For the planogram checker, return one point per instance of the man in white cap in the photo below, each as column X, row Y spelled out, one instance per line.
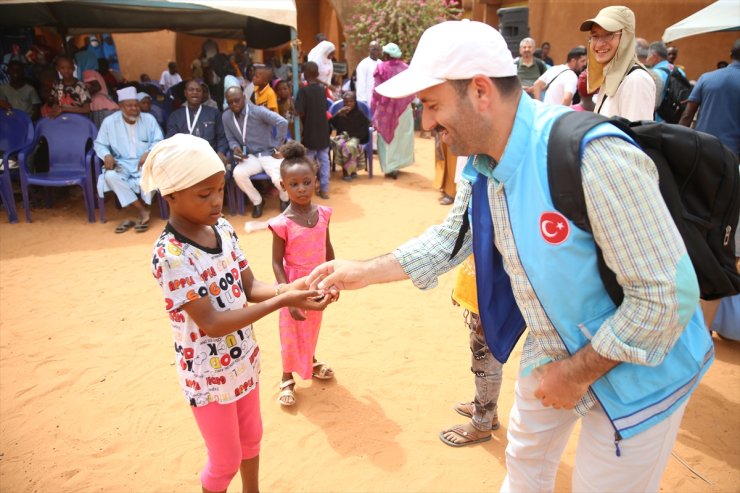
column 123, row 142
column 626, row 372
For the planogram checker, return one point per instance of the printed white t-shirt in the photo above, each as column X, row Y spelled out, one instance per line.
column 211, row 369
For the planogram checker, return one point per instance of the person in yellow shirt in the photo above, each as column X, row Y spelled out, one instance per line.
column 264, row 95
column 483, row 410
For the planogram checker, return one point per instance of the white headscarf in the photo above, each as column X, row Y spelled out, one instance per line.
column 320, row 55
column 178, row 163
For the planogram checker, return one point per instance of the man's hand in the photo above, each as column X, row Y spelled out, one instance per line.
column 238, row 153
column 5, row 105
column 563, row 383
column 143, row 158
column 355, row 274
column 109, row 162
column 338, row 275
column 557, row 388
column 55, row 111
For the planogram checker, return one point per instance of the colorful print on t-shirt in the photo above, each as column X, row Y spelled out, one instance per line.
column 211, row 369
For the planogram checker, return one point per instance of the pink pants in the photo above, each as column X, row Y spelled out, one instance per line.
column 232, row 433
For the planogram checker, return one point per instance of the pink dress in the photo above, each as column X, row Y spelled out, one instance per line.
column 305, row 248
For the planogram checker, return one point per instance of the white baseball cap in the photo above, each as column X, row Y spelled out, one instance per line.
column 452, row 50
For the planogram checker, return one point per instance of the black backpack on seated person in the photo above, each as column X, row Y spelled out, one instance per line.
column 699, row 182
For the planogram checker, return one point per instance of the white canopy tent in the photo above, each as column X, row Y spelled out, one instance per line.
column 722, row 15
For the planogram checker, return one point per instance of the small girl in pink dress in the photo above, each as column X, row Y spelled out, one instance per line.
column 300, row 243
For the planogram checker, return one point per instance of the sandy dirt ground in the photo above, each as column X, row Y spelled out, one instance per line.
column 89, row 399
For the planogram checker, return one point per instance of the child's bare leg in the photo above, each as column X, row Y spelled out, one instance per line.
column 249, row 470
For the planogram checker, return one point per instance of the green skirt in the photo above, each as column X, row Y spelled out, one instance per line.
column 399, row 152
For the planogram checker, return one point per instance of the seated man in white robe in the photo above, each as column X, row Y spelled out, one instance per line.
column 124, row 140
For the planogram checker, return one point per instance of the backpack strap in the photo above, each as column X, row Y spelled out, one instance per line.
column 632, row 69
column 566, row 183
column 541, row 67
column 553, row 79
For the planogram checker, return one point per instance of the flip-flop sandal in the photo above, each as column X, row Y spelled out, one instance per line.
column 461, row 408
column 458, row 430
column 124, row 226
column 323, row 370
column 141, row 227
column 289, row 394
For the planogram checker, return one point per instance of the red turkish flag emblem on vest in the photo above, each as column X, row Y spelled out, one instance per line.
column 554, row 227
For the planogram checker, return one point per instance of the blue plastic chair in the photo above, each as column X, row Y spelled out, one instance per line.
column 16, row 137
column 236, row 195
column 70, row 139
column 367, row 147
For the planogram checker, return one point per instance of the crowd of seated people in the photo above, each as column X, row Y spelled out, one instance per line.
column 210, row 102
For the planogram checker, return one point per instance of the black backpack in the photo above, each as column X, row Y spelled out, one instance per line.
column 676, row 92
column 699, row 182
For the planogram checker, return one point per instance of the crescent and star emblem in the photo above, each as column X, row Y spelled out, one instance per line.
column 554, row 227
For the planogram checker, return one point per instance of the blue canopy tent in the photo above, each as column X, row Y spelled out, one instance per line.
column 261, row 23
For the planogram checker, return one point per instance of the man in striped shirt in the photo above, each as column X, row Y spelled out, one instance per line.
column 625, row 372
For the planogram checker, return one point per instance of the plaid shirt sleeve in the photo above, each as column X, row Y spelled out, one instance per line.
column 427, row 257
column 641, row 244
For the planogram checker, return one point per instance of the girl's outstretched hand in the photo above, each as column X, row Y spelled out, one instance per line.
column 302, row 284
column 307, row 300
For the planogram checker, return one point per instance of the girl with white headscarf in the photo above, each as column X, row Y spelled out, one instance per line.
column 321, row 55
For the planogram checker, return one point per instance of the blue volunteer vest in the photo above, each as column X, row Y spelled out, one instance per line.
column 559, row 259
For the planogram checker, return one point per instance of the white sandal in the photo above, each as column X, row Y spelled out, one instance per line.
column 323, row 370
column 287, row 393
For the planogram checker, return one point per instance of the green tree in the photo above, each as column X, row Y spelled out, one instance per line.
column 397, row 21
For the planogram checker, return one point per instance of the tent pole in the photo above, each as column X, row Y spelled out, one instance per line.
column 294, row 67
column 65, row 43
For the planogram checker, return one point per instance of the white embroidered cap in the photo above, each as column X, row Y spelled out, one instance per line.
column 127, row 93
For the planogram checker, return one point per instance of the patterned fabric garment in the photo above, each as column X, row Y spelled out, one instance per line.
column 74, row 95
column 211, row 369
column 305, row 248
column 386, row 111
column 348, row 153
